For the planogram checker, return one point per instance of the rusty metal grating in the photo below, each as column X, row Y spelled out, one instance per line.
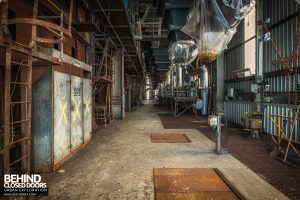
column 170, row 138
column 184, row 184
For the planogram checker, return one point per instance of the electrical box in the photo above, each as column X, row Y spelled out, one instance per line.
column 253, row 88
column 256, row 124
column 253, row 122
column 267, row 99
column 213, row 120
column 230, row 92
column 267, row 88
column 199, row 104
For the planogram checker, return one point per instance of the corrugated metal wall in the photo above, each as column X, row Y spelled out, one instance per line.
column 234, row 56
column 279, row 83
column 234, row 110
column 42, row 131
column 283, row 31
column 242, row 86
column 278, row 109
column 282, row 34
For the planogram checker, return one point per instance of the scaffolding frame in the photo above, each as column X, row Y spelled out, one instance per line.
column 16, row 137
column 102, row 81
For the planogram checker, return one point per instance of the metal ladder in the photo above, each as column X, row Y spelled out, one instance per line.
column 17, row 123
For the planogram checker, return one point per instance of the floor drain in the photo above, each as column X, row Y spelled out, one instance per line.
column 170, row 138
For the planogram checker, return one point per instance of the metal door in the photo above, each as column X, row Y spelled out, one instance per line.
column 87, row 109
column 61, row 114
column 76, row 112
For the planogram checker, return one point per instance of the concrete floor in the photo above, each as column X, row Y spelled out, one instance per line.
column 118, row 162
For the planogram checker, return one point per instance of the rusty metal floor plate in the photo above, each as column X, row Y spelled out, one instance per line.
column 169, row 138
column 186, row 184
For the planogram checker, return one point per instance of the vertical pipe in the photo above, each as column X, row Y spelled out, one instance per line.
column 192, row 89
column 204, row 89
column 172, row 83
column 191, row 79
column 179, row 76
column 168, row 78
column 278, row 128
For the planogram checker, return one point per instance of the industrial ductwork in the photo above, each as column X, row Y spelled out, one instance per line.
column 213, row 23
column 183, row 52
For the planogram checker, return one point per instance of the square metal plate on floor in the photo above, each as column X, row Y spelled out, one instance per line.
column 185, row 184
column 170, row 138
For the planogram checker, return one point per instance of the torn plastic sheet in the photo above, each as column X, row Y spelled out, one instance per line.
column 213, row 23
column 240, row 6
column 183, row 52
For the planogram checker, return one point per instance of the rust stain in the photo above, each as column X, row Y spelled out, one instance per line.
column 169, row 138
column 194, row 183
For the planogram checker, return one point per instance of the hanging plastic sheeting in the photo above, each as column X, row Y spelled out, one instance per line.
column 241, row 7
column 298, row 1
column 183, row 52
column 213, row 23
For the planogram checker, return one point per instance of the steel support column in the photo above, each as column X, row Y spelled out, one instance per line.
column 118, row 86
column 220, row 84
column 7, row 100
column 259, row 61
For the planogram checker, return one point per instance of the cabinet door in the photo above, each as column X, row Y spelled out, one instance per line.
column 76, row 112
column 62, row 116
column 87, row 109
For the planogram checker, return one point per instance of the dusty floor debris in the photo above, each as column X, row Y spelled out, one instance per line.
column 254, row 153
column 119, row 162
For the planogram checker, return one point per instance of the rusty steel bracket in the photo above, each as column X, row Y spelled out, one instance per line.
column 39, row 22
column 45, row 24
column 48, row 40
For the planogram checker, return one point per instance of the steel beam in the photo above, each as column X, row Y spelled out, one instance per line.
column 220, row 84
column 259, row 61
column 7, row 100
column 41, row 23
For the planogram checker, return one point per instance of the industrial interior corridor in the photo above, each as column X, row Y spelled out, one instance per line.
column 150, row 99
column 118, row 163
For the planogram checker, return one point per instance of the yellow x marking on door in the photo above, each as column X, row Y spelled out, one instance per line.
column 63, row 115
column 77, row 106
column 87, row 106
